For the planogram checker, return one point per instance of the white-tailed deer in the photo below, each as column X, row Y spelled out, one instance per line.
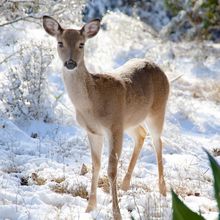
column 111, row 104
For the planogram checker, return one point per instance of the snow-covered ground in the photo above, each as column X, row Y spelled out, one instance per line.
column 40, row 163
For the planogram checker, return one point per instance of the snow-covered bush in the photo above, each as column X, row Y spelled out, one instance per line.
column 13, row 11
column 24, row 92
column 182, row 19
column 151, row 12
column 202, row 18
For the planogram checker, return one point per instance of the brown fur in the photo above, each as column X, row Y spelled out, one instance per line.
column 111, row 104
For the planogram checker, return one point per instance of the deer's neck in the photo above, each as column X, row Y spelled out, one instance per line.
column 77, row 82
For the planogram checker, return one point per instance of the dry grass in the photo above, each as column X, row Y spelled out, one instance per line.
column 79, row 190
column 185, row 191
column 60, row 187
column 104, row 184
column 11, row 169
column 142, row 186
column 216, row 152
column 59, row 180
column 206, row 90
column 38, row 180
column 84, row 170
column 41, row 181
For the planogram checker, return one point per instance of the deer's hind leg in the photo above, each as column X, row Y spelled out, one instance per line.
column 155, row 126
column 139, row 133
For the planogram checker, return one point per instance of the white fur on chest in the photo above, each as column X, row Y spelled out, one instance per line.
column 76, row 88
column 77, row 92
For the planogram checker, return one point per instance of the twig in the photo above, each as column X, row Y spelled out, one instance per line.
column 16, row 1
column 19, row 19
column 11, row 55
column 176, row 78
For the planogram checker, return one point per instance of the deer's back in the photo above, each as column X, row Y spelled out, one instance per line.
column 130, row 92
column 147, row 89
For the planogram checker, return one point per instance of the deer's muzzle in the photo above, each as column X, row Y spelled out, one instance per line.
column 70, row 64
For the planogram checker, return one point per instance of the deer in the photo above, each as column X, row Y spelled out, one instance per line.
column 111, row 104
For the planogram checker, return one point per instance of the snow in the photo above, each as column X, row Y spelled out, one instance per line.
column 40, row 177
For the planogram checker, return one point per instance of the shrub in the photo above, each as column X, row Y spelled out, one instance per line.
column 202, row 16
column 24, row 93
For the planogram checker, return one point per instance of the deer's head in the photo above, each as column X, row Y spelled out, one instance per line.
column 70, row 42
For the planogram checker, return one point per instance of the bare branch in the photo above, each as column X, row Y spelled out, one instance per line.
column 20, row 1
column 11, row 55
column 20, row 19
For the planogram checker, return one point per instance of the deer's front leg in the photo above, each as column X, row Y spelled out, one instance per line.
column 115, row 140
column 96, row 142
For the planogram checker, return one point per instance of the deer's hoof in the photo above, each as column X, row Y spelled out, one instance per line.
column 90, row 208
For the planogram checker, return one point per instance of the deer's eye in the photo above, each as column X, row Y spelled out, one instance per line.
column 60, row 44
column 81, row 45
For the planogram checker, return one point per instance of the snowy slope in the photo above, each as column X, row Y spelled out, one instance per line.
column 40, row 163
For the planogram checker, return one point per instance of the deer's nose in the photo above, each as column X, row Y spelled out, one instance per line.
column 70, row 64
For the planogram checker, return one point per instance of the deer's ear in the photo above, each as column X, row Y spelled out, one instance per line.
column 91, row 29
column 51, row 26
